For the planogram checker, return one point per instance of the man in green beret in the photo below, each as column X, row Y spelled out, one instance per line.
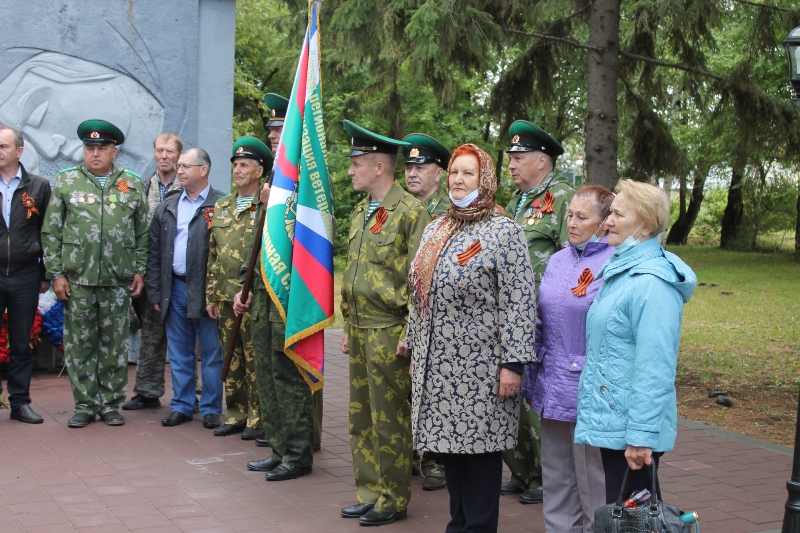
column 426, row 162
column 95, row 242
column 385, row 231
column 232, row 230
column 539, row 205
column 277, row 115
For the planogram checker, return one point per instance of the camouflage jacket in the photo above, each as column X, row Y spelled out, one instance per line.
column 548, row 234
column 374, row 288
column 152, row 191
column 96, row 236
column 229, row 247
column 438, row 203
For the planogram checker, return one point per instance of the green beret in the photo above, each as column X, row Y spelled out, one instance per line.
column 95, row 131
column 277, row 105
column 425, row 149
column 529, row 137
column 363, row 141
column 252, row 148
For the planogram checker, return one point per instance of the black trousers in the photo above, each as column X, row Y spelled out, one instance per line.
column 473, row 481
column 19, row 297
column 615, row 465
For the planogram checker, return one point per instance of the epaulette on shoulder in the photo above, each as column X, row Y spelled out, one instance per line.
column 67, row 170
column 132, row 173
column 223, row 197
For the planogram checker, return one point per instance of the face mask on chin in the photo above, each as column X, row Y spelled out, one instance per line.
column 468, row 199
column 629, row 242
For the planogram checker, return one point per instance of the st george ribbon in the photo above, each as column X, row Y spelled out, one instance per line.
column 297, row 244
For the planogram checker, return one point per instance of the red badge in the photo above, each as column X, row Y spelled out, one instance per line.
column 29, row 203
column 548, row 202
column 380, row 218
column 208, row 214
column 122, row 186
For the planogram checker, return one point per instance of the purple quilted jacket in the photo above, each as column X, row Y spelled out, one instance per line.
column 552, row 383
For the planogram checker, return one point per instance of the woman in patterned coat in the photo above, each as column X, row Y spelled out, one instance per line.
column 471, row 331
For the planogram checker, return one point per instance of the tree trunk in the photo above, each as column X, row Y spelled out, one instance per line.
column 762, row 177
column 679, row 233
column 601, row 144
column 732, row 218
column 498, row 169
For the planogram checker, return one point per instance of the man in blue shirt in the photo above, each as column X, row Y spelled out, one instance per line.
column 176, row 275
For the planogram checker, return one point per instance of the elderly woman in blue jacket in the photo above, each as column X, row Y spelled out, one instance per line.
column 626, row 397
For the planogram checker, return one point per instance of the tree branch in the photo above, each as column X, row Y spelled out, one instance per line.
column 667, row 64
column 551, row 38
column 766, row 6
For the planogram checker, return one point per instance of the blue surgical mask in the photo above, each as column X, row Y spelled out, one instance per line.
column 468, row 199
column 581, row 247
column 629, row 243
column 594, row 238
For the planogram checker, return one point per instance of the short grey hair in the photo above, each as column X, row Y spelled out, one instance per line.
column 201, row 157
column 19, row 141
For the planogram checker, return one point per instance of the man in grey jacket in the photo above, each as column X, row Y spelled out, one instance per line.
column 176, row 276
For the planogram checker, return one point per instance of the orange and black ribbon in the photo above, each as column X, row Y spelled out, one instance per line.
column 469, row 253
column 548, row 202
column 122, row 186
column 29, row 203
column 380, row 218
column 208, row 214
column 584, row 280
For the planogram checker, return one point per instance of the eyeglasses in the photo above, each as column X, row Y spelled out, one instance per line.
column 181, row 166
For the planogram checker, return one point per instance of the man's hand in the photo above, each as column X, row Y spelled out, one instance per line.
column 402, row 349
column 239, row 307
column 212, row 311
column 344, row 344
column 61, row 288
column 264, row 196
column 638, row 456
column 43, row 286
column 137, row 285
column 509, row 384
column 157, row 307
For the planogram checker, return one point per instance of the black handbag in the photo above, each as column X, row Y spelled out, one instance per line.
column 655, row 517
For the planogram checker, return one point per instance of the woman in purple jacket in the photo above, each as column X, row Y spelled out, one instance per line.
column 572, row 474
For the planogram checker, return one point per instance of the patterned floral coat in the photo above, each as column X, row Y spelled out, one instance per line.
column 481, row 315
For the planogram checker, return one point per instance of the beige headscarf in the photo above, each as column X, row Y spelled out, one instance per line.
column 420, row 275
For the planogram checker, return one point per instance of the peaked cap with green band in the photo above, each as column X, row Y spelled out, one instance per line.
column 96, row 131
column 529, row 137
column 277, row 105
column 252, row 148
column 363, row 141
column 425, row 149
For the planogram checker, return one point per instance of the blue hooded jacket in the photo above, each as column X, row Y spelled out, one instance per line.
column 626, row 394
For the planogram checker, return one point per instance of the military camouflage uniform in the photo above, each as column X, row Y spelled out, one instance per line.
column 375, row 309
column 96, row 237
column 545, row 236
column 438, row 203
column 153, row 337
column 231, row 235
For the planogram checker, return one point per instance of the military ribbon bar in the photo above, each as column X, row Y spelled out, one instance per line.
column 584, row 280
column 549, row 199
column 208, row 214
column 29, row 203
column 122, row 186
column 380, row 218
column 469, row 253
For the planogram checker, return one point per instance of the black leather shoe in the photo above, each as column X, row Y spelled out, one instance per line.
column 211, row 421
column 141, row 402
column 356, row 511
column 286, row 471
column 112, row 418
column 175, row 418
column 262, row 443
column 380, row 518
column 531, row 496
column 252, row 433
column 26, row 414
column 80, row 420
column 509, row 488
column 226, row 429
column 264, row 465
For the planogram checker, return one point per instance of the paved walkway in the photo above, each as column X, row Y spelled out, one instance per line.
column 147, row 478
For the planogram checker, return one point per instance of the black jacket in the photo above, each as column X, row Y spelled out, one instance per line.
column 163, row 228
column 21, row 248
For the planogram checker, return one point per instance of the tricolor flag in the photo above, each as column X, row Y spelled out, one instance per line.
column 297, row 245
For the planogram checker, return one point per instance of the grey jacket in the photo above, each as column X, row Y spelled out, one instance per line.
column 163, row 228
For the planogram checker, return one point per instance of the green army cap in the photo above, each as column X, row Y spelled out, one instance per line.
column 252, row 148
column 277, row 105
column 96, row 131
column 425, row 149
column 363, row 141
column 529, row 137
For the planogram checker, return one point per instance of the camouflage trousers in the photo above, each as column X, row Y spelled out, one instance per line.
column 318, row 418
column 95, row 328
column 287, row 405
column 241, row 393
column 525, row 461
column 152, row 354
column 380, row 418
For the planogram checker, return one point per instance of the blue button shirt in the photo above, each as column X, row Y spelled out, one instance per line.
column 186, row 210
column 7, row 190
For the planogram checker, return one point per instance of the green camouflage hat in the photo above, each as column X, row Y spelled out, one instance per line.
column 277, row 105
column 529, row 137
column 425, row 149
column 363, row 141
column 96, row 131
column 252, row 148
